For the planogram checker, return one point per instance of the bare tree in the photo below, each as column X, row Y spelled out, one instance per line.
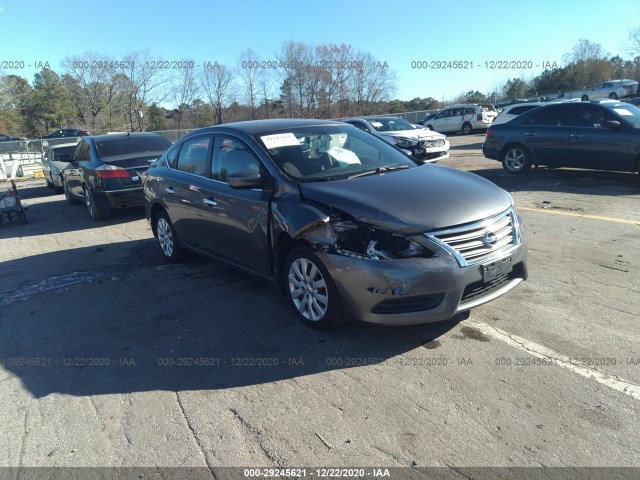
column 588, row 63
column 142, row 81
column 248, row 70
column 89, row 79
column 185, row 89
column 218, row 85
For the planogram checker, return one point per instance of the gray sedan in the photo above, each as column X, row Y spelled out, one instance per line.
column 344, row 224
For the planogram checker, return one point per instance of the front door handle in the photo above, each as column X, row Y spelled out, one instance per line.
column 210, row 202
column 169, row 190
column 575, row 135
column 529, row 134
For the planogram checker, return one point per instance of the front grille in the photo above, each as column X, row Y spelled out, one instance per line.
column 432, row 143
column 481, row 241
column 481, row 288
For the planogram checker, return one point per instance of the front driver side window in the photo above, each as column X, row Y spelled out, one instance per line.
column 231, row 156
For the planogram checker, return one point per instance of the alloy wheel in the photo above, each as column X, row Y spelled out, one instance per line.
column 515, row 159
column 308, row 289
column 165, row 237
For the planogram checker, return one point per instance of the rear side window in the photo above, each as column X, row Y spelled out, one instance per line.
column 547, row 117
column 469, row 111
column 85, row 152
column 521, row 110
column 193, row 156
column 62, row 154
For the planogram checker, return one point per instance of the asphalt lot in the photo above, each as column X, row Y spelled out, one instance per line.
column 112, row 358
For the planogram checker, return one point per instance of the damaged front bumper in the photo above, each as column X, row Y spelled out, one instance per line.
column 416, row 290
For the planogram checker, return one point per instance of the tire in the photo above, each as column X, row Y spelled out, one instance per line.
column 96, row 213
column 613, row 96
column 585, row 98
column 429, row 127
column 167, row 238
column 467, row 129
column 49, row 184
column 516, row 160
column 22, row 216
column 311, row 291
column 67, row 195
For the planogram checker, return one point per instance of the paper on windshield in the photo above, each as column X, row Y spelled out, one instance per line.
column 279, row 140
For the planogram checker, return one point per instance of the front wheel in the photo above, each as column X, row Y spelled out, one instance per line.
column 516, row 160
column 167, row 238
column 585, row 98
column 311, row 291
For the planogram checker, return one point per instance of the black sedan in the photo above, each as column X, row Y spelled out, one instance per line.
column 346, row 225
column 106, row 170
column 600, row 135
column 66, row 133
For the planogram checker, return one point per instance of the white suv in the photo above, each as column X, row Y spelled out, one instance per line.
column 464, row 118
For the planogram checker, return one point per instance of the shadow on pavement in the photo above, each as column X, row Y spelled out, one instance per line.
column 136, row 325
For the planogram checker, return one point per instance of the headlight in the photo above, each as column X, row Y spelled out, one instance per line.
column 403, row 142
column 368, row 243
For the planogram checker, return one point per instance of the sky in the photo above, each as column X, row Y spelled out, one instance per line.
column 403, row 34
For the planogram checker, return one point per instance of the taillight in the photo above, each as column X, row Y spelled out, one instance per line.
column 489, row 133
column 110, row 171
column 479, row 117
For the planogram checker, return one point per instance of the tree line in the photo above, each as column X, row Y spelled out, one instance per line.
column 99, row 93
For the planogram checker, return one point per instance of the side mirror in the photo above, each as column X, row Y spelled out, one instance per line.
column 245, row 179
column 612, row 124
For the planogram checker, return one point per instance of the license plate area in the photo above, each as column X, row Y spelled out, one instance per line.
column 500, row 267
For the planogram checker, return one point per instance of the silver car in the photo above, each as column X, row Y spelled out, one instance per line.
column 56, row 158
column 613, row 89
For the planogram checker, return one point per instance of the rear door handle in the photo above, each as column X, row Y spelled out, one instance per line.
column 529, row 134
column 575, row 135
column 210, row 202
column 169, row 190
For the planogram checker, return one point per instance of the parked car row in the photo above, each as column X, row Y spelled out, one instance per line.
column 601, row 134
column 343, row 220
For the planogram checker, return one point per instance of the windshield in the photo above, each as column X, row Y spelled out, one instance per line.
column 112, row 146
column 321, row 153
column 389, row 124
column 62, row 154
column 629, row 113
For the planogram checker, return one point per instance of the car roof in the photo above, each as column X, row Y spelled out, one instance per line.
column 60, row 145
column 115, row 136
column 254, row 127
column 373, row 119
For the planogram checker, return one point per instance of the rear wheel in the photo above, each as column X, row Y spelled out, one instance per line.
column 95, row 212
column 167, row 238
column 585, row 98
column 613, row 96
column 467, row 129
column 516, row 160
column 67, row 194
column 311, row 291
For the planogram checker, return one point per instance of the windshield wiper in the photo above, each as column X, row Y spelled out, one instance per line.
column 388, row 168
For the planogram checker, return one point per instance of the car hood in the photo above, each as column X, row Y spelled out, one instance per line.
column 415, row 200
column 421, row 134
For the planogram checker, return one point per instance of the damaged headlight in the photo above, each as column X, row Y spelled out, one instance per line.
column 353, row 239
column 368, row 243
column 403, row 142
